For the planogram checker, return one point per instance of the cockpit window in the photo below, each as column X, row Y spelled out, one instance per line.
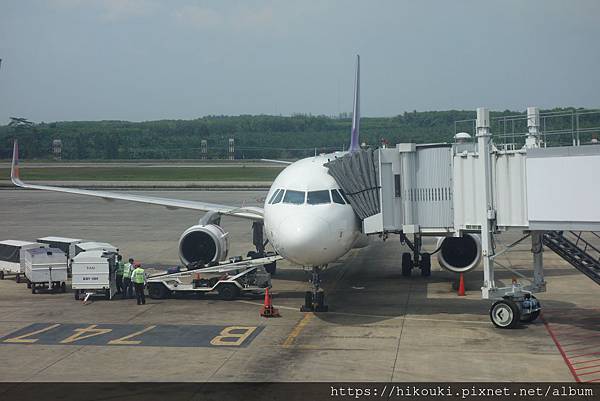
column 277, row 197
column 337, row 198
column 295, row 197
column 344, row 196
column 318, row 197
column 274, row 195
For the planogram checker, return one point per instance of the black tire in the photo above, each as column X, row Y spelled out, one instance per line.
column 505, row 314
column 425, row 265
column 107, row 294
column 407, row 264
column 308, row 299
column 28, row 285
column 157, row 291
column 2, row 275
column 271, row 268
column 228, row 292
column 530, row 317
column 17, row 278
column 32, row 289
column 76, row 295
column 63, row 287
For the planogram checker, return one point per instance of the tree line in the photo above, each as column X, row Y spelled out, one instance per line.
column 256, row 136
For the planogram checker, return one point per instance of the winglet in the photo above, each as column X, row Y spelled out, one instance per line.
column 354, row 145
column 14, row 168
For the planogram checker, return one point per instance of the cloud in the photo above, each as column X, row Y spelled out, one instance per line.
column 236, row 19
column 199, row 17
column 112, row 10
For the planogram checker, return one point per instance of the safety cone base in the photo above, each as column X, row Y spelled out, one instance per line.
column 461, row 286
column 269, row 312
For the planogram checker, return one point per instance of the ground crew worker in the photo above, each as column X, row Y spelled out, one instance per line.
column 139, row 279
column 119, row 272
column 127, row 269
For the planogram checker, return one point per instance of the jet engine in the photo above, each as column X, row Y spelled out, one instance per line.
column 459, row 254
column 203, row 243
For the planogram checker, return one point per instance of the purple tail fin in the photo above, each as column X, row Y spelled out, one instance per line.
column 354, row 145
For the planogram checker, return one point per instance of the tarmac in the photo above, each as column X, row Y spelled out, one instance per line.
column 381, row 326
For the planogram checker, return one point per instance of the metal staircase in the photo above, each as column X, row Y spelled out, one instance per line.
column 577, row 250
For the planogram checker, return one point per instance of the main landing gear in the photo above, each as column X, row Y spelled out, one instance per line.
column 314, row 300
column 508, row 312
column 417, row 259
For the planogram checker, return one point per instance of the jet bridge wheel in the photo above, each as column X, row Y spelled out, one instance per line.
column 530, row 317
column 505, row 314
column 407, row 264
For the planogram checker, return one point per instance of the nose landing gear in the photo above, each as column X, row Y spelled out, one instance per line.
column 314, row 300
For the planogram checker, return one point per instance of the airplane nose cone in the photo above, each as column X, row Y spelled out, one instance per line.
column 304, row 239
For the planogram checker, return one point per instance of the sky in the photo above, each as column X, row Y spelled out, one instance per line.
column 143, row 60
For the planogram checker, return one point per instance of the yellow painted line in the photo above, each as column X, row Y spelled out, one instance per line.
column 22, row 338
column 298, row 329
column 127, row 339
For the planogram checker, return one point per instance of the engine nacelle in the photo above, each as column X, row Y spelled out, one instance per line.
column 203, row 244
column 459, row 254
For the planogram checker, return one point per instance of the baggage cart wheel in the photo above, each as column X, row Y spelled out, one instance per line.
column 157, row 291
column 63, row 287
column 425, row 265
column 2, row 275
column 76, row 295
column 18, row 278
column 107, row 294
column 228, row 292
column 407, row 264
column 271, row 268
column 28, row 285
column 505, row 314
column 33, row 288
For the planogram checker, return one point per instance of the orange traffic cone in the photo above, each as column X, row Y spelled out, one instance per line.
column 461, row 286
column 267, row 309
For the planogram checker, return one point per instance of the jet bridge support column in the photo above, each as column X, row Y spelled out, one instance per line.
column 537, row 248
column 487, row 212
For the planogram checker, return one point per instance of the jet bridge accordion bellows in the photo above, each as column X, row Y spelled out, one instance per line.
column 357, row 173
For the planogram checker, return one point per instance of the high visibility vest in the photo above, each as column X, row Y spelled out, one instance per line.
column 138, row 276
column 127, row 270
column 120, row 268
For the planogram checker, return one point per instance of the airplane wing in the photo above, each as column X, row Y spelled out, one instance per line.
column 276, row 161
column 248, row 212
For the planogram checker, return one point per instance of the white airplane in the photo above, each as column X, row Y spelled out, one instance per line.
column 306, row 216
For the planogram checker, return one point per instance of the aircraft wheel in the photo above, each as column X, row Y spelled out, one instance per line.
column 425, row 265
column 407, row 264
column 505, row 314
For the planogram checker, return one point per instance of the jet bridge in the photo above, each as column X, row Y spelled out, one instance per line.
column 485, row 188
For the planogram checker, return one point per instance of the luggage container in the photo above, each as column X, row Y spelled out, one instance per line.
column 77, row 248
column 10, row 257
column 94, row 272
column 62, row 243
column 45, row 268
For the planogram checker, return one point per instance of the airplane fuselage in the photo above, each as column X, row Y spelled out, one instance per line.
column 307, row 218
